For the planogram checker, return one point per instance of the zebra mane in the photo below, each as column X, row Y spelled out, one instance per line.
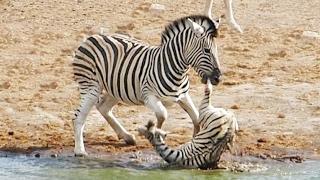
column 181, row 24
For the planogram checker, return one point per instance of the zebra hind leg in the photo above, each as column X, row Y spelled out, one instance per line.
column 105, row 107
column 88, row 100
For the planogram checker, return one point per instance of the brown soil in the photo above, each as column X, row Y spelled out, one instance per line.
column 271, row 74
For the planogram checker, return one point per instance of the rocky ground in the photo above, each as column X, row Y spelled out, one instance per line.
column 271, row 74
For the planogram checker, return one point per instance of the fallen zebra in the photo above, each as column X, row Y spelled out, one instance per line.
column 217, row 132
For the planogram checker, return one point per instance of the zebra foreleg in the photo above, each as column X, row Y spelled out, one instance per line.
column 187, row 104
column 105, row 107
column 156, row 106
column 87, row 101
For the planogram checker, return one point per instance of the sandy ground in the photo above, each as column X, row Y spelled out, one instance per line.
column 271, row 74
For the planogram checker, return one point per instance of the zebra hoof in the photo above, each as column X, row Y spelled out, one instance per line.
column 236, row 27
column 81, row 154
column 130, row 139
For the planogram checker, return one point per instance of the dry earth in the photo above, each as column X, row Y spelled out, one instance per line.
column 271, row 73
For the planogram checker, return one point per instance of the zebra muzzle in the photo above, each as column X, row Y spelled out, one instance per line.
column 213, row 79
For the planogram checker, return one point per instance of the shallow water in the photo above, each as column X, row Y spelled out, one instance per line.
column 132, row 166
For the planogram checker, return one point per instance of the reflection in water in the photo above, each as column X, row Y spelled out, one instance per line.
column 138, row 166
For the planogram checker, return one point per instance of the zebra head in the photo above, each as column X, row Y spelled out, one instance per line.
column 154, row 135
column 202, row 53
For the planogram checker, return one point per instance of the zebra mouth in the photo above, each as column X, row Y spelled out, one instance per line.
column 213, row 80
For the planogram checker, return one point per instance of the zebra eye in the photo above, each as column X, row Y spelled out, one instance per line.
column 206, row 50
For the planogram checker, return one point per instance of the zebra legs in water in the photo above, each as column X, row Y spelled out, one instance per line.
column 105, row 107
column 87, row 102
column 187, row 104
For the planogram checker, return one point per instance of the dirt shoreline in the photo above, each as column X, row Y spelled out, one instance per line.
column 271, row 75
column 250, row 141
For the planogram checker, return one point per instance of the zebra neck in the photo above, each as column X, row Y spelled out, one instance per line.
column 168, row 154
column 172, row 55
column 168, row 68
column 205, row 102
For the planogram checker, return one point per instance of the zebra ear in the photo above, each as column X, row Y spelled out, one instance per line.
column 197, row 29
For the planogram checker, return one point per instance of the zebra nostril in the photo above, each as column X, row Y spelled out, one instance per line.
column 218, row 79
column 215, row 80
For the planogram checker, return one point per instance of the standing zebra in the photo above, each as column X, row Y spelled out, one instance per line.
column 112, row 69
column 217, row 130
